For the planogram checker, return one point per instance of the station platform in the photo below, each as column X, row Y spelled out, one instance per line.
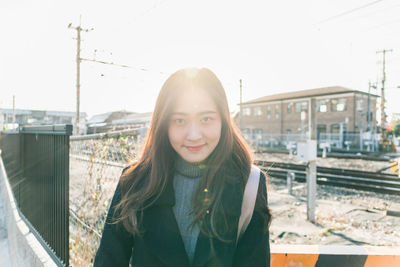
column 334, row 256
column 352, row 228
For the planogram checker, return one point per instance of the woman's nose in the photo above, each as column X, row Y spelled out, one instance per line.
column 194, row 132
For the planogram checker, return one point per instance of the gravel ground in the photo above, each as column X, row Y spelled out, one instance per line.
column 343, row 216
column 356, row 164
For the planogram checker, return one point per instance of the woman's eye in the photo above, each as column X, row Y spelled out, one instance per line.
column 179, row 121
column 206, row 119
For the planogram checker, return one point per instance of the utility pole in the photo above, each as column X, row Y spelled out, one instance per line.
column 383, row 137
column 240, row 111
column 368, row 107
column 311, row 170
column 13, row 110
column 78, row 70
column 369, row 117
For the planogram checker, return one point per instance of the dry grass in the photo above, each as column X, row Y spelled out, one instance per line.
column 95, row 167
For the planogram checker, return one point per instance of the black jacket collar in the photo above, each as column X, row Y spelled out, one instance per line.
column 162, row 236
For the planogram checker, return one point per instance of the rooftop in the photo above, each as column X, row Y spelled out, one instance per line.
column 47, row 112
column 306, row 93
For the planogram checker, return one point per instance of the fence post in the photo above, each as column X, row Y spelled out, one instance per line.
column 307, row 152
column 289, row 180
column 311, row 189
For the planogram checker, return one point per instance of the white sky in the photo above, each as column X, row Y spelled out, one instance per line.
column 273, row 46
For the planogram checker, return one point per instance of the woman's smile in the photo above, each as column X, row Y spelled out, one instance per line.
column 195, row 148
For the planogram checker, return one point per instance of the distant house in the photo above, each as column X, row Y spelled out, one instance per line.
column 337, row 110
column 134, row 120
column 102, row 123
column 37, row 117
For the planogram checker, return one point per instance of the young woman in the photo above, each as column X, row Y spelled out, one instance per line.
column 180, row 203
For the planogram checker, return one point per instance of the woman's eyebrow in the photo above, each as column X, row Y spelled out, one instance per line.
column 199, row 113
column 179, row 114
column 207, row 112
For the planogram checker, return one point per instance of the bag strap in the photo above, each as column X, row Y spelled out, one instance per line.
column 249, row 200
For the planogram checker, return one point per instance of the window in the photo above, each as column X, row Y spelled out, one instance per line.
column 322, row 105
column 257, row 111
column 246, row 131
column 257, row 131
column 276, row 112
column 335, row 128
column 321, row 130
column 268, row 112
column 338, row 104
column 246, row 111
column 289, row 107
column 360, row 103
column 301, row 106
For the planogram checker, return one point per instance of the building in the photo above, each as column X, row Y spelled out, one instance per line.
column 131, row 121
column 338, row 110
column 102, row 123
column 12, row 118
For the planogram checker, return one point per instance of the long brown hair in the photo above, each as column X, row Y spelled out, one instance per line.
column 144, row 181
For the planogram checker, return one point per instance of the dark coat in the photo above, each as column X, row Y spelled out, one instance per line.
column 161, row 244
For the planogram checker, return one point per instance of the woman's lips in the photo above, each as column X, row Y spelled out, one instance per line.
column 194, row 148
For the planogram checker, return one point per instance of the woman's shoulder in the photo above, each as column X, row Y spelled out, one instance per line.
column 263, row 173
column 126, row 168
column 129, row 167
column 129, row 171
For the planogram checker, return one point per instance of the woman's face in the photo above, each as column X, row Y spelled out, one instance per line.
column 195, row 126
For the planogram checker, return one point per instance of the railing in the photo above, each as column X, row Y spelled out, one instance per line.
column 351, row 141
column 354, row 142
column 37, row 163
column 272, row 141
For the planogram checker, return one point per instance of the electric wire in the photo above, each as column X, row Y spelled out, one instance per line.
column 349, row 11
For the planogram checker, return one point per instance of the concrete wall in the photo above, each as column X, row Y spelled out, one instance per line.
column 24, row 248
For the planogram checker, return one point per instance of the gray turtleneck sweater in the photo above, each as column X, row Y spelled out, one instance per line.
column 186, row 180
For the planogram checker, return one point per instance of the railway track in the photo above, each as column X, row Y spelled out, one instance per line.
column 361, row 180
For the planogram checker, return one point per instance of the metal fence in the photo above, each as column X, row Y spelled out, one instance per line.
column 355, row 142
column 96, row 162
column 261, row 142
column 363, row 142
column 37, row 164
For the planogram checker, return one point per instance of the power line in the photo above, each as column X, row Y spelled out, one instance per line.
column 149, row 10
column 122, row 65
column 106, row 63
column 349, row 11
column 370, row 14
